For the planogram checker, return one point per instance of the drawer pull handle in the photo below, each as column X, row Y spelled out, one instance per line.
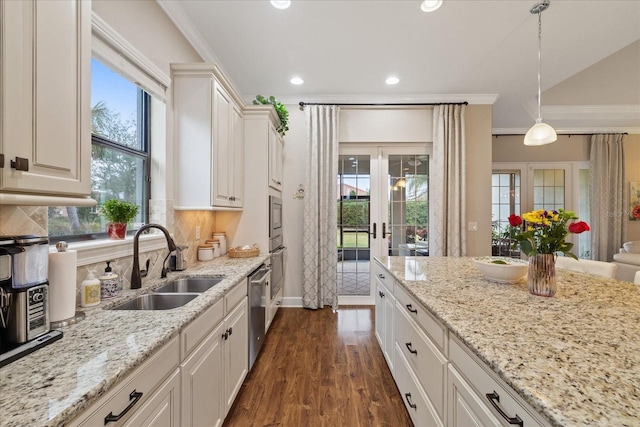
column 133, row 399
column 411, row 309
column 409, row 402
column 410, row 348
column 380, row 275
column 494, row 398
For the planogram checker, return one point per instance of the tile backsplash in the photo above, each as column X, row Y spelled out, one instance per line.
column 18, row 220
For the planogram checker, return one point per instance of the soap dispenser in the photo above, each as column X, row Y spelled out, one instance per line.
column 90, row 290
column 108, row 283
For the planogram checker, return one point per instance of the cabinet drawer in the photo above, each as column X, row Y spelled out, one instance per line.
column 434, row 329
column 485, row 384
column 381, row 274
column 235, row 295
column 413, row 396
column 199, row 328
column 426, row 361
column 144, row 380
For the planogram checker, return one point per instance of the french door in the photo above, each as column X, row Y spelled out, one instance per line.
column 383, row 197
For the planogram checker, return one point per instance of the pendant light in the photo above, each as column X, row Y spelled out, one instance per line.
column 540, row 133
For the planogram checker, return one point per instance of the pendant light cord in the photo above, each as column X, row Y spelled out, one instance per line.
column 539, row 66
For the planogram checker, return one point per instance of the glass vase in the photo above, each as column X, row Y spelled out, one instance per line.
column 541, row 277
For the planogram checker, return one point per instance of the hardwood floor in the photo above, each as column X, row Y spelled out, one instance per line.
column 319, row 368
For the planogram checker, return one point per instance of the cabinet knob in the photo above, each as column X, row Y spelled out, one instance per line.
column 20, row 164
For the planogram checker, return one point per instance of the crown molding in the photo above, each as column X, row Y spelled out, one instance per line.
column 177, row 15
column 591, row 112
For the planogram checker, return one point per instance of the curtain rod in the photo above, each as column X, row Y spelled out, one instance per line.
column 302, row 104
column 496, row 135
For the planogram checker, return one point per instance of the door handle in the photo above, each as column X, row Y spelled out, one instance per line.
column 374, row 233
column 384, row 231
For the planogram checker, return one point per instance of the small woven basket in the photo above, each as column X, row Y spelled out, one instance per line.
column 238, row 252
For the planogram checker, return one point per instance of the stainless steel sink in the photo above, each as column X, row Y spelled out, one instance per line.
column 190, row 284
column 157, row 301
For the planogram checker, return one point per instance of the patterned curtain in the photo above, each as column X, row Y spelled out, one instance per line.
column 447, row 200
column 320, row 250
column 608, row 207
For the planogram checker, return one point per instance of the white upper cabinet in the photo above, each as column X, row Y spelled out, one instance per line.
column 209, row 139
column 45, row 128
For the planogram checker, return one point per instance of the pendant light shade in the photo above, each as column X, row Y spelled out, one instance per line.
column 540, row 133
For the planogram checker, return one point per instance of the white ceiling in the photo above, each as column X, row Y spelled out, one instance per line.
column 469, row 50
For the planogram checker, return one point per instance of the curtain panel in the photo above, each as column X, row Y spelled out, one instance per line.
column 608, row 207
column 320, row 250
column 447, row 203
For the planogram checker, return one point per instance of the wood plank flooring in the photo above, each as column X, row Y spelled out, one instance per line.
column 320, row 368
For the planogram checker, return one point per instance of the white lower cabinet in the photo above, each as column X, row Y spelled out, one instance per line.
column 162, row 409
column 202, row 376
column 441, row 381
column 144, row 395
column 213, row 372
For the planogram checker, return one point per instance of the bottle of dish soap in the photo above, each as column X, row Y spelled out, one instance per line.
column 90, row 290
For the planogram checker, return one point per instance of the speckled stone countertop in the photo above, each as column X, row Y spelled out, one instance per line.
column 574, row 357
column 53, row 385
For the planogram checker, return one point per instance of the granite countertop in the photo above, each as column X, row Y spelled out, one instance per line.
column 574, row 357
column 55, row 384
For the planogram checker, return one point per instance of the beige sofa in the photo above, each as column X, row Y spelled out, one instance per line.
column 628, row 261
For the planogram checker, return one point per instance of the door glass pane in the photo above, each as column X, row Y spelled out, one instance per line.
column 354, row 185
column 549, row 193
column 408, row 215
column 584, row 239
column 505, row 200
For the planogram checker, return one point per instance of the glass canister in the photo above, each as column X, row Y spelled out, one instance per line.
column 222, row 238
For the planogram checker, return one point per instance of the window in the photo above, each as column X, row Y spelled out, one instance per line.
column 120, row 150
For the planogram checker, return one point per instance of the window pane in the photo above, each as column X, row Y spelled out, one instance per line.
column 114, row 110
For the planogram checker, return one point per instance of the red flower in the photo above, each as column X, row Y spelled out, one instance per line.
column 636, row 212
column 515, row 220
column 578, row 227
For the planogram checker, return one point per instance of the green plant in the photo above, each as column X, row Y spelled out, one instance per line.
column 282, row 111
column 118, row 211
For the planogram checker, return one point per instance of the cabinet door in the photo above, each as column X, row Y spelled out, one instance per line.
column 389, row 335
column 380, row 295
column 202, row 378
column 464, row 406
column 236, row 352
column 46, row 120
column 237, row 140
column 162, row 409
column 222, row 107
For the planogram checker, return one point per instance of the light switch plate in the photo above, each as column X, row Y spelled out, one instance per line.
column 197, row 232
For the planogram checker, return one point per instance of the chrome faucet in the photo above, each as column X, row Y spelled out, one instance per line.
column 136, row 277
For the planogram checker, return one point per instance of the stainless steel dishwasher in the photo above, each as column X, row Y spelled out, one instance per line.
column 258, row 283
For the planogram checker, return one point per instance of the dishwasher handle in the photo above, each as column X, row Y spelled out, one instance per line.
column 259, row 280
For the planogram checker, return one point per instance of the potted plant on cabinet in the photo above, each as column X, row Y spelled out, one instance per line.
column 281, row 110
column 118, row 214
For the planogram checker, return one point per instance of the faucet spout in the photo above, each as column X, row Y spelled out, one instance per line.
column 136, row 279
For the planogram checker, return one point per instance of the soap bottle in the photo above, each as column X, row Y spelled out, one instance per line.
column 90, row 290
column 108, row 283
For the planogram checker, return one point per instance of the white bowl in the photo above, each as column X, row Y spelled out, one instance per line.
column 511, row 272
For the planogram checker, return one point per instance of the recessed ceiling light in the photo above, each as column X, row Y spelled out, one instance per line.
column 296, row 81
column 281, row 4
column 392, row 80
column 430, row 5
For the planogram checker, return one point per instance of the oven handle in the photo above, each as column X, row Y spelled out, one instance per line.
column 256, row 281
column 278, row 251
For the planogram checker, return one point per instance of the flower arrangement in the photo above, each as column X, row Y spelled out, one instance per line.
column 544, row 232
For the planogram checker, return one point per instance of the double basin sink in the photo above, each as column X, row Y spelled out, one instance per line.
column 171, row 295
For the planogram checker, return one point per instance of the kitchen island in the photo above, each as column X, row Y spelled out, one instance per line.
column 55, row 384
column 574, row 358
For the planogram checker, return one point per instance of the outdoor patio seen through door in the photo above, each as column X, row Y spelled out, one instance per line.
column 383, row 198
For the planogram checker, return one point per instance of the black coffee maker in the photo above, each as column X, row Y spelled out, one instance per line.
column 24, row 302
